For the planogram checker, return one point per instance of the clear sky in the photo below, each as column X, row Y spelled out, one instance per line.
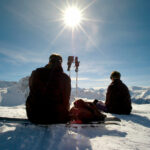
column 114, row 36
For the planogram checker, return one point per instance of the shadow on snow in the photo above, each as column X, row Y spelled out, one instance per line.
column 58, row 137
column 142, row 120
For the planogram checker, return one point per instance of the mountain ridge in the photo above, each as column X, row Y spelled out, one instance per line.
column 15, row 93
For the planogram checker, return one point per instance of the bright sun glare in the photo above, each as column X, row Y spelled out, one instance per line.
column 72, row 17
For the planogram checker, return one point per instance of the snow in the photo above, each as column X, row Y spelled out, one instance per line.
column 132, row 133
column 16, row 94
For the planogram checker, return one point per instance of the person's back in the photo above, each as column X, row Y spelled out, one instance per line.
column 118, row 97
column 48, row 100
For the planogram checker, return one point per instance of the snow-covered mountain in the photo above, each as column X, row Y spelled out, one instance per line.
column 12, row 93
column 89, row 93
column 4, row 84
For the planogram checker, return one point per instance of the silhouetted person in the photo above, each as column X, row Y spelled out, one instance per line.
column 50, row 87
column 118, row 99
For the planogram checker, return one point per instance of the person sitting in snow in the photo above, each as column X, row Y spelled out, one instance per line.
column 50, row 87
column 118, row 99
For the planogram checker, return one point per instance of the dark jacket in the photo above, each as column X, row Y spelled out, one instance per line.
column 48, row 100
column 118, row 98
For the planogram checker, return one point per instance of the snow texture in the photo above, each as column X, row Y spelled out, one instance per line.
column 132, row 134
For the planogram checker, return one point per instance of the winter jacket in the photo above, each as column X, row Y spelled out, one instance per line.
column 118, row 98
column 48, row 100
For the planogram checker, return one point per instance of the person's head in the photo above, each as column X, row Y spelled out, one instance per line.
column 115, row 75
column 55, row 58
column 55, row 62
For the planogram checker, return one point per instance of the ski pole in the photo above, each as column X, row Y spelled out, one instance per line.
column 76, row 70
column 76, row 84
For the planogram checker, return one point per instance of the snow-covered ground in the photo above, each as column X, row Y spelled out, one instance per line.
column 132, row 134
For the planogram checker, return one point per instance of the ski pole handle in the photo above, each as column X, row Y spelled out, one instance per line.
column 70, row 61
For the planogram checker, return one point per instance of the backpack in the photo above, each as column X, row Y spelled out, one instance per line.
column 85, row 112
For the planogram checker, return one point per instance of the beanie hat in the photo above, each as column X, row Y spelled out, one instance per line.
column 55, row 58
column 115, row 75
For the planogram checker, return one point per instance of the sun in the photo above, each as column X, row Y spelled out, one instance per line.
column 72, row 17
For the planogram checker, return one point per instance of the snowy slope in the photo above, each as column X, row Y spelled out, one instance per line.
column 132, row 134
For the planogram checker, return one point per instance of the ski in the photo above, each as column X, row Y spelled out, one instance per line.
column 108, row 120
column 15, row 120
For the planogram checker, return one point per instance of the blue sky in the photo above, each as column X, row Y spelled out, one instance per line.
column 116, row 36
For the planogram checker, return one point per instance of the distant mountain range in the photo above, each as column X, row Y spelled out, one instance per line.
column 4, row 84
column 15, row 93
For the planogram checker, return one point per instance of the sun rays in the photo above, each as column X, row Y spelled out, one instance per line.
column 72, row 16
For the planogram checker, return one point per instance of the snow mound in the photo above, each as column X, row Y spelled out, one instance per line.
column 16, row 94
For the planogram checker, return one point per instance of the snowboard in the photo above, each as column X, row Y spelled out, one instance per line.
column 108, row 120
